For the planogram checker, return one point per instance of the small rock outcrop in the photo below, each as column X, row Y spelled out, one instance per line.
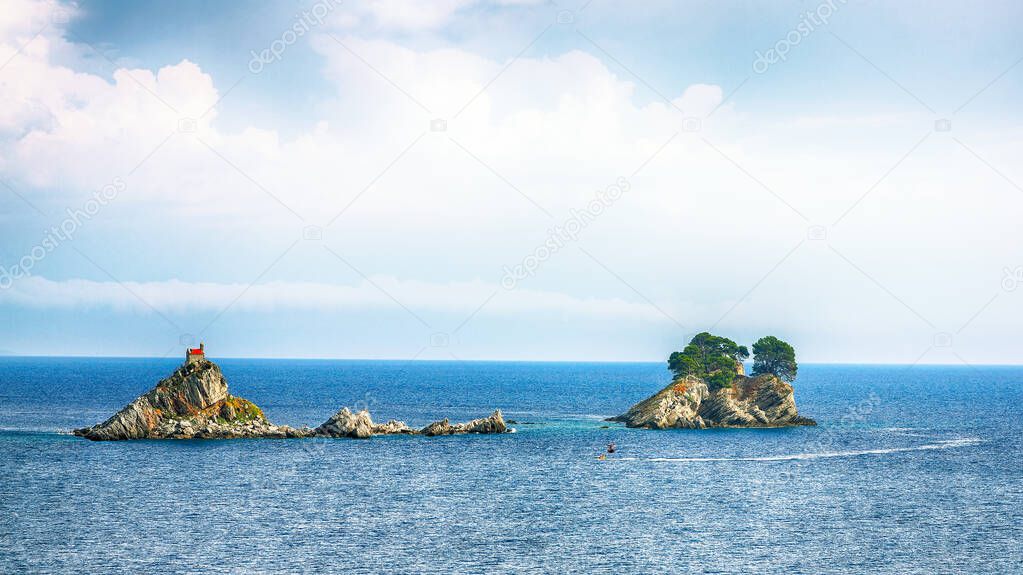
column 194, row 403
column 442, row 427
column 688, row 403
column 493, row 424
column 392, row 427
column 344, row 423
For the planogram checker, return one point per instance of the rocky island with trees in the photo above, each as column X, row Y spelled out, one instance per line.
column 710, row 388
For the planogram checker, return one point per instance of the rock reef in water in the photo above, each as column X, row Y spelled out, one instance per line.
column 194, row 403
column 359, row 425
column 688, row 403
column 493, row 424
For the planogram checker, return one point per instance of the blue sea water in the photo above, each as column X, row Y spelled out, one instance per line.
column 911, row 470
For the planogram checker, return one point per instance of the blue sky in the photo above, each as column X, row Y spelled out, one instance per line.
column 860, row 198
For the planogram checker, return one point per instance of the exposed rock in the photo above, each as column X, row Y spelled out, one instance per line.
column 344, row 423
column 493, row 424
column 687, row 403
column 393, row 427
column 442, row 427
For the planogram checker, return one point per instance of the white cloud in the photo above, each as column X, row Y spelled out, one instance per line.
column 410, row 15
column 556, row 116
column 20, row 20
column 458, row 298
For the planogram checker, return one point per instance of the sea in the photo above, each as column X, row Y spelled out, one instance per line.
column 912, row 469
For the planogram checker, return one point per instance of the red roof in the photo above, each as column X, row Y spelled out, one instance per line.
column 196, row 351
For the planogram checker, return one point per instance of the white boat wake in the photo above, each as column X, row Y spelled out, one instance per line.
column 947, row 444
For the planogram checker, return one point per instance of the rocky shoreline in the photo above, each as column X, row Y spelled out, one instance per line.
column 194, row 403
column 689, row 403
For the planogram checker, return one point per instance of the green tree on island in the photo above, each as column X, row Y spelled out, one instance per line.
column 775, row 357
column 712, row 358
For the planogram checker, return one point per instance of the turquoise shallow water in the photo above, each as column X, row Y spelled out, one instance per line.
column 912, row 470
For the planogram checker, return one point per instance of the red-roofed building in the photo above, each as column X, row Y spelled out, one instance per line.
column 194, row 355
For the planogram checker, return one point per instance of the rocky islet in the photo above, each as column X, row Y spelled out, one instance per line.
column 194, row 403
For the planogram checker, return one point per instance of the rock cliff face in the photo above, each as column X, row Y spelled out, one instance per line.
column 194, row 403
column 687, row 403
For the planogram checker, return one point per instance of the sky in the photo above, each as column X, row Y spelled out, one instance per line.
column 511, row 179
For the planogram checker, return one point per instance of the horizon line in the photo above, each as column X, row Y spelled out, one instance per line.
column 456, row 360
